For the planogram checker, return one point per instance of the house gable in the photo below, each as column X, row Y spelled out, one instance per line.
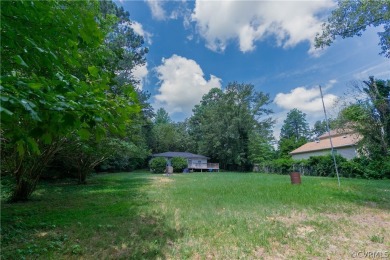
column 343, row 142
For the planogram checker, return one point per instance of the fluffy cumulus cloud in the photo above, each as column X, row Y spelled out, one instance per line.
column 138, row 29
column 140, row 73
column 289, row 22
column 308, row 100
column 182, row 84
column 305, row 99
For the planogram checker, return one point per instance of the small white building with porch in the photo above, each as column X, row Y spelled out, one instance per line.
column 195, row 161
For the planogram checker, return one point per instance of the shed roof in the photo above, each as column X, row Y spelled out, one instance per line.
column 179, row 154
column 344, row 140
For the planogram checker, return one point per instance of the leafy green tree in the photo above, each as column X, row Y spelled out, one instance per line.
column 351, row 18
column 82, row 156
column 168, row 135
column 164, row 138
column 294, row 132
column 162, row 117
column 224, row 121
column 295, row 125
column 55, row 84
column 125, row 46
column 370, row 117
column 319, row 128
column 260, row 148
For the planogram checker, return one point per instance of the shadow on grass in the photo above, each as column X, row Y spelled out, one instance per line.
column 112, row 217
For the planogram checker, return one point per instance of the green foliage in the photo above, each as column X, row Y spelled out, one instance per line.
column 223, row 122
column 324, row 165
column 158, row 165
column 286, row 145
column 369, row 116
column 179, row 164
column 80, row 157
column 169, row 136
column 360, row 167
column 294, row 132
column 295, row 125
column 164, row 136
column 279, row 166
column 351, row 18
column 58, row 83
column 372, row 169
column 259, row 148
column 319, row 129
column 162, row 117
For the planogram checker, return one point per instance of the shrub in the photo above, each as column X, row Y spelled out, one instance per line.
column 179, row 164
column 351, row 169
column 324, row 165
column 158, row 165
column 280, row 166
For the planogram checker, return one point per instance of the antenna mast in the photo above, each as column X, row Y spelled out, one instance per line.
column 330, row 137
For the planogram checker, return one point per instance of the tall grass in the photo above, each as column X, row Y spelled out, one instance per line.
column 198, row 215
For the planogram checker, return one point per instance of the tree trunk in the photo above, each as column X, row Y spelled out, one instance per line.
column 23, row 190
column 82, row 177
column 28, row 171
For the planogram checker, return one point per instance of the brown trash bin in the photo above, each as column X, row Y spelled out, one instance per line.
column 295, row 178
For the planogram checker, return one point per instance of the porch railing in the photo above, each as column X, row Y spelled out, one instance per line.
column 214, row 166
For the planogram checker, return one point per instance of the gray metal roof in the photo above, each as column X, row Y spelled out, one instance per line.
column 179, row 154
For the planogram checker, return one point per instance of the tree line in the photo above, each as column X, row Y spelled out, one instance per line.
column 69, row 105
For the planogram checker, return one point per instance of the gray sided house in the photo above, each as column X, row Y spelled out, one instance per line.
column 195, row 161
column 344, row 144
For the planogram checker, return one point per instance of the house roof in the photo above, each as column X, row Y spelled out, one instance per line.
column 338, row 140
column 179, row 154
column 335, row 132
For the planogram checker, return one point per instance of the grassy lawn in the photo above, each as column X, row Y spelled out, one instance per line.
column 199, row 216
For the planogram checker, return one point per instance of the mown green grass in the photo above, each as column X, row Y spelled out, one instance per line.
column 198, row 215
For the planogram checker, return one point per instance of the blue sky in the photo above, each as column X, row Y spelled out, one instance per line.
column 198, row 45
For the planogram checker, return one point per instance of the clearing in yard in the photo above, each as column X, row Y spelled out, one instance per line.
column 199, row 216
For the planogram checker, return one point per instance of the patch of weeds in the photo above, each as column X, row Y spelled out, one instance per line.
column 76, row 249
column 377, row 239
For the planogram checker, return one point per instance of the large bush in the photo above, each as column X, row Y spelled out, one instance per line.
column 324, row 165
column 158, row 165
column 179, row 164
column 279, row 166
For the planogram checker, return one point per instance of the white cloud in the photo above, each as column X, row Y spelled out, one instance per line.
column 140, row 73
column 157, row 10
column 289, row 22
column 138, row 29
column 305, row 99
column 182, row 84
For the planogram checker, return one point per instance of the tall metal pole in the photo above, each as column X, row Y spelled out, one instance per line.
column 330, row 137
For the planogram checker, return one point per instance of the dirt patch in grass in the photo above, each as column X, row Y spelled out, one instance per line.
column 333, row 235
column 163, row 179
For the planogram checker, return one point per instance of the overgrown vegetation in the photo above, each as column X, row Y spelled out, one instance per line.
column 361, row 167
